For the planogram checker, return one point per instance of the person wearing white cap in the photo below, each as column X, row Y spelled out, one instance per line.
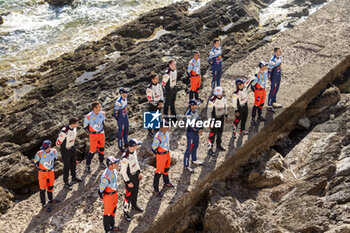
column 131, row 174
column 108, row 193
column 217, row 110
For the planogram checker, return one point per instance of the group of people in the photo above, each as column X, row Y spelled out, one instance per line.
column 157, row 94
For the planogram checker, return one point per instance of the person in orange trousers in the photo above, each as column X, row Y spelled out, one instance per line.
column 45, row 162
column 160, row 148
column 108, row 193
column 194, row 73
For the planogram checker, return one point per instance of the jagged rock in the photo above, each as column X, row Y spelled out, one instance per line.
column 343, row 163
column 8, row 148
column 60, row 2
column 328, row 98
column 298, row 12
column 340, row 229
column 304, row 123
column 270, row 176
column 6, row 200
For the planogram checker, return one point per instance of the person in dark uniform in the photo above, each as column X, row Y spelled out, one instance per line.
column 131, row 174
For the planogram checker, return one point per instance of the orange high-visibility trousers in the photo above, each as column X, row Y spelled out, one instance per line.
column 46, row 180
column 162, row 162
column 110, row 202
column 97, row 140
column 259, row 98
column 195, row 83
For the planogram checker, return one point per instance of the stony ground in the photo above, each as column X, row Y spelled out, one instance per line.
column 81, row 210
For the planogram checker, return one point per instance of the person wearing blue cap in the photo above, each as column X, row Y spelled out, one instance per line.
column 217, row 111
column 121, row 115
column 215, row 60
column 108, row 193
column 275, row 77
column 258, row 86
column 240, row 104
column 161, row 147
column 194, row 74
column 44, row 160
column 192, row 135
column 131, row 174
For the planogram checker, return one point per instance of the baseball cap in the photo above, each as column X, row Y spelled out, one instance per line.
column 193, row 102
column 219, row 91
column 262, row 64
column 134, row 142
column 239, row 81
column 111, row 160
column 124, row 90
column 46, row 144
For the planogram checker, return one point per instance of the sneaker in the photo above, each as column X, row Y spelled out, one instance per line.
column 277, row 105
column 190, row 170
column 234, row 134
column 244, row 132
column 68, row 186
column 169, row 185
column 102, row 165
column 76, row 179
column 197, row 162
column 271, row 109
column 260, row 118
column 158, row 194
column 127, row 217
column 54, row 201
column 138, row 209
column 88, row 169
column 151, row 134
column 253, row 122
column 47, row 209
column 220, row 147
column 211, row 152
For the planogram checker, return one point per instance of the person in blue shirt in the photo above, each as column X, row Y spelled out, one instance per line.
column 192, row 135
column 121, row 115
column 194, row 73
column 258, row 86
column 44, row 160
column 93, row 125
column 275, row 77
column 160, row 147
column 108, row 193
column 215, row 60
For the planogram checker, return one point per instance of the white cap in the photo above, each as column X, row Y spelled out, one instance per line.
column 219, row 91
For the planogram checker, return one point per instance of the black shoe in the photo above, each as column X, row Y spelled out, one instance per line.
column 102, row 165
column 260, row 118
column 151, row 134
column 76, row 179
column 55, row 201
column 138, row 209
column 158, row 194
column 68, row 186
column 220, row 148
column 253, row 122
column 169, row 185
column 127, row 217
column 211, row 152
column 47, row 209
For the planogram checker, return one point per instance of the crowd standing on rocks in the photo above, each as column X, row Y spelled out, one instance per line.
column 94, row 126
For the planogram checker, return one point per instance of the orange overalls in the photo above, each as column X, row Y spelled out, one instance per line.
column 163, row 161
column 110, row 200
column 259, row 96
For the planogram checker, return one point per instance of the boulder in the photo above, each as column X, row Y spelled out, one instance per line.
column 328, row 98
column 6, row 200
column 7, row 148
column 60, row 2
column 304, row 123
